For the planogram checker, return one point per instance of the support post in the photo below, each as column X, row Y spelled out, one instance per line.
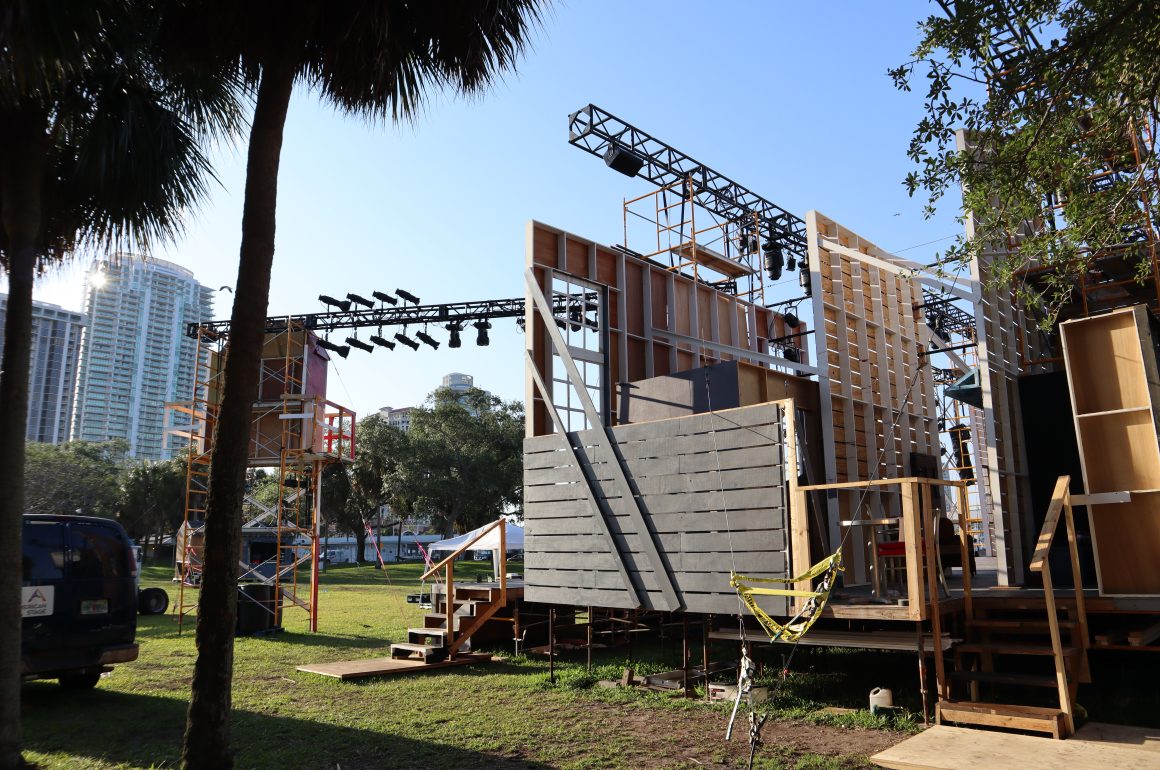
column 552, row 645
column 929, row 524
column 449, row 598
column 685, row 653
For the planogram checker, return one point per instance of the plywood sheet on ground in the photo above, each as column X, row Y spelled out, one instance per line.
column 360, row 669
column 960, row 748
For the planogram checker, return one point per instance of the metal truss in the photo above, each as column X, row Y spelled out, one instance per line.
column 596, row 131
column 946, row 318
column 455, row 312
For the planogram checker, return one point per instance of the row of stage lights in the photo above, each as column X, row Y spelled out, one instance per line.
column 455, row 327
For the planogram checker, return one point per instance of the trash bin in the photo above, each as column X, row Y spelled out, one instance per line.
column 255, row 608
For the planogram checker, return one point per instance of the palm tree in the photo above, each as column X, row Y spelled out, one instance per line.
column 97, row 149
column 373, row 59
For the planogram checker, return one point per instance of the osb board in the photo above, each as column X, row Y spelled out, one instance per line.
column 645, row 300
column 943, row 747
column 881, row 404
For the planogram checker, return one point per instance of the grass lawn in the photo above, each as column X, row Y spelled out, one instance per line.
column 499, row 715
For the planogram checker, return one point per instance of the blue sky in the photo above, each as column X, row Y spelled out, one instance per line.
column 790, row 99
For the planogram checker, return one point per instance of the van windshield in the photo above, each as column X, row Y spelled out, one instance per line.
column 43, row 557
column 95, row 552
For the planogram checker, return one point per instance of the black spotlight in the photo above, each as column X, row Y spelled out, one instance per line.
column 356, row 342
column 360, row 300
column 791, row 320
column 792, row 354
column 774, row 260
column 403, row 338
column 342, row 350
column 455, row 340
column 620, row 158
column 407, row 296
column 384, row 343
column 339, row 303
column 481, row 338
column 425, row 337
column 381, row 297
column 791, row 263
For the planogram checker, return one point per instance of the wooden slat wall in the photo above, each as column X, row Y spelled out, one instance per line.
column 881, row 406
column 709, row 485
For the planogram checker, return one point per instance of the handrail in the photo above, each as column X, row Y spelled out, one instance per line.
column 1061, row 504
column 453, row 640
column 462, row 548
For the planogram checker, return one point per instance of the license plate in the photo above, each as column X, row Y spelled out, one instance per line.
column 95, row 607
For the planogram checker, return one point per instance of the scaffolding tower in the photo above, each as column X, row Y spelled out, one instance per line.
column 295, row 430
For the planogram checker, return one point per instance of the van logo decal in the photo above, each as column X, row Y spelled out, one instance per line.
column 36, row 601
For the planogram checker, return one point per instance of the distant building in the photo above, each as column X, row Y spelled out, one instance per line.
column 397, row 418
column 56, row 337
column 135, row 356
column 457, row 381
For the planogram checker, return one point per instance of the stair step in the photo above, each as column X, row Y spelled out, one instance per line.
column 428, row 631
column 428, row 652
column 1017, row 626
column 993, row 677
column 1016, row 717
column 1013, row 649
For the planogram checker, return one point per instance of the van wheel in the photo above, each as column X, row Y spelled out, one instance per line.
column 85, row 681
column 152, row 601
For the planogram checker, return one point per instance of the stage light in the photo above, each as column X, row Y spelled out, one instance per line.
column 360, row 300
column 774, row 260
column 481, row 337
column 455, row 340
column 407, row 296
column 792, row 354
column 791, row 320
column 622, row 159
column 381, row 297
column 403, row 338
column 791, row 263
column 384, row 343
column 425, row 337
column 342, row 350
column 339, row 303
column 356, row 342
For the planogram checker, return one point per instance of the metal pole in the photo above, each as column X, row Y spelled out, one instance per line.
column 685, row 652
column 589, row 637
column 552, row 645
column 705, row 651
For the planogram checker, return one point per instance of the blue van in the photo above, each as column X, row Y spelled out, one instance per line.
column 79, row 599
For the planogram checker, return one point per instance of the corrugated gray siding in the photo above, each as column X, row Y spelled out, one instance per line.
column 687, row 472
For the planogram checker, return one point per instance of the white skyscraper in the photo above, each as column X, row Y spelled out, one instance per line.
column 135, row 355
column 56, row 337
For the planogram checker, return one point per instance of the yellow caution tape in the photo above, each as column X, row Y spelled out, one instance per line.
column 792, row 631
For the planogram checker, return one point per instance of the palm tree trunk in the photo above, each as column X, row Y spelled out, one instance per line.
column 207, row 730
column 22, row 134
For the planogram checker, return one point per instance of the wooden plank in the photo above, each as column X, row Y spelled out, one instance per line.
column 943, row 747
column 1144, row 636
column 628, row 545
column 580, row 597
column 360, row 669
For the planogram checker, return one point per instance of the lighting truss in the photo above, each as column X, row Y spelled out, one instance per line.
column 339, row 320
column 942, row 315
column 596, row 131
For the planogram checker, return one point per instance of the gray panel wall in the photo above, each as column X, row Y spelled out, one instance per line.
column 705, row 482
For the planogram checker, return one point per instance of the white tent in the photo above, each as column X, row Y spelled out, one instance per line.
column 489, row 542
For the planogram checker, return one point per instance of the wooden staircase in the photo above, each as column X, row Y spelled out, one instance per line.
column 1004, row 638
column 461, row 611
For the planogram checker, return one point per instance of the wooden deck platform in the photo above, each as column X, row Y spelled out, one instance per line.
column 1095, row 745
column 361, row 669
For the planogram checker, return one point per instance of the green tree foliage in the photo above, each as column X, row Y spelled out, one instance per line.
column 151, row 502
column 379, row 447
column 461, row 463
column 1054, row 125
column 77, row 477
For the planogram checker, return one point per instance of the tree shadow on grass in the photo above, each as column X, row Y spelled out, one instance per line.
column 118, row 728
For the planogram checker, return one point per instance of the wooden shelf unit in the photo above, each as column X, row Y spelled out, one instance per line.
column 1115, row 395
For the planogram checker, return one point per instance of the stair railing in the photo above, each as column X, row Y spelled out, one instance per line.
column 448, row 565
column 1061, row 504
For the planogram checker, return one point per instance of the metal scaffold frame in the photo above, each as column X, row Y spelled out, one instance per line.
column 293, row 429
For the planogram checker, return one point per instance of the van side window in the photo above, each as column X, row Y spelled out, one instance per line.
column 95, row 552
column 43, row 557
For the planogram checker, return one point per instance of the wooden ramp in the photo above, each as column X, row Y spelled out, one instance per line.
column 958, row 748
column 360, row 669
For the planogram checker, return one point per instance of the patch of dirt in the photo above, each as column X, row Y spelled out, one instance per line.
column 657, row 737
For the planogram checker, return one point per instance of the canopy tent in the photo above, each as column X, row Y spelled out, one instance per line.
column 489, row 542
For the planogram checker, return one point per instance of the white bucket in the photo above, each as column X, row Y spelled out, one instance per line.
column 881, row 698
